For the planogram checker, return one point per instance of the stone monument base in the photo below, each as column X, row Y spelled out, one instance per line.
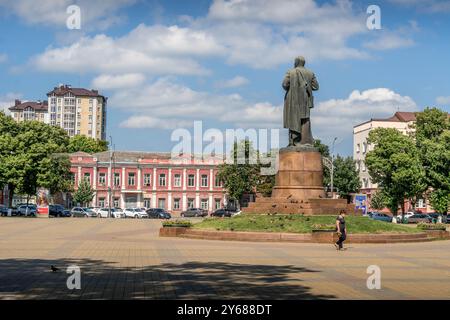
column 299, row 187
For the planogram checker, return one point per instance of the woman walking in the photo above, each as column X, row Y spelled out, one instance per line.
column 341, row 230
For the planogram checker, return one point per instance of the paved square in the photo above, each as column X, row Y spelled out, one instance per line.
column 125, row 259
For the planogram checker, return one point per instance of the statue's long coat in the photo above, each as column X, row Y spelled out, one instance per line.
column 297, row 102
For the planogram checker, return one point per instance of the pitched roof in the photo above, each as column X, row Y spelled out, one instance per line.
column 36, row 105
column 64, row 89
column 131, row 156
column 400, row 116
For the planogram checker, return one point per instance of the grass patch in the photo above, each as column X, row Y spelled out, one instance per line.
column 298, row 224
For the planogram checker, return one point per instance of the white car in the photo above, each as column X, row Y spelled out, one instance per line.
column 118, row 213
column 115, row 213
column 407, row 216
column 135, row 213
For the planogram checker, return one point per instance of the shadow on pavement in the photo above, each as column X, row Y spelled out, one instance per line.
column 33, row 279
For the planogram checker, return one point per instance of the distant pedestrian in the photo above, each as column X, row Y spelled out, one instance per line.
column 341, row 230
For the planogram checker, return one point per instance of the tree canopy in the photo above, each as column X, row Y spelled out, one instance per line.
column 346, row 178
column 86, row 144
column 432, row 136
column 395, row 165
column 84, row 193
column 34, row 154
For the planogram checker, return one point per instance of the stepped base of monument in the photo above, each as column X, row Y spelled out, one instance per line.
column 314, row 206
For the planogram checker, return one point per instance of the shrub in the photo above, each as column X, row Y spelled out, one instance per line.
column 177, row 223
column 431, row 226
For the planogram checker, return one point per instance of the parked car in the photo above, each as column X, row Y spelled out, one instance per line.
column 194, row 212
column 83, row 212
column 56, row 210
column 95, row 209
column 435, row 216
column 4, row 211
column 157, row 213
column 135, row 213
column 381, row 217
column 416, row 218
column 104, row 212
column 27, row 210
column 407, row 215
column 117, row 213
column 221, row 213
column 369, row 214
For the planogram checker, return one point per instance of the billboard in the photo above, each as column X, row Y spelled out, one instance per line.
column 361, row 202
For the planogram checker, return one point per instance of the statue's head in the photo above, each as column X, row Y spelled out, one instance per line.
column 299, row 61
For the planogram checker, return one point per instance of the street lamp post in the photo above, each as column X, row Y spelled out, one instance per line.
column 332, row 167
column 110, row 178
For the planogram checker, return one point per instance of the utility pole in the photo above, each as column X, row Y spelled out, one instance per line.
column 111, row 182
column 332, row 167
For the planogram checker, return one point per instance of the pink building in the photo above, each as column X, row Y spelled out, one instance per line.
column 149, row 179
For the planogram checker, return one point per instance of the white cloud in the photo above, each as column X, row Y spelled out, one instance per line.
column 95, row 14
column 336, row 117
column 107, row 81
column 150, row 49
column 264, row 34
column 386, row 39
column 389, row 41
column 237, row 81
column 7, row 100
column 254, row 33
column 140, row 122
column 168, row 104
column 3, row 57
column 443, row 100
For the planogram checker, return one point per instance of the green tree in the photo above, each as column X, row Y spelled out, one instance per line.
column 86, row 144
column 440, row 200
column 432, row 137
column 325, row 152
column 346, row 178
column 55, row 174
column 240, row 176
column 25, row 152
column 395, row 165
column 84, row 193
column 379, row 200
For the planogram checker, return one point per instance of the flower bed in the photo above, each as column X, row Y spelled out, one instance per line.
column 177, row 224
column 431, row 226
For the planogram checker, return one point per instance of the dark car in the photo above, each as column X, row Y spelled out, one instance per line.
column 194, row 212
column 435, row 216
column 57, row 210
column 221, row 213
column 381, row 217
column 3, row 210
column 157, row 213
column 82, row 212
column 416, row 218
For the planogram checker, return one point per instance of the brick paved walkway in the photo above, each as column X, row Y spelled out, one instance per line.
column 126, row 259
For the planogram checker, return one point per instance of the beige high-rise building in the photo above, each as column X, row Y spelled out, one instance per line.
column 29, row 110
column 78, row 111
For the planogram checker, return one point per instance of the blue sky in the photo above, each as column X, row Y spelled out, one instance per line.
column 165, row 64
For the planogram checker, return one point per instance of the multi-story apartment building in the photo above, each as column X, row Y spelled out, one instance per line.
column 152, row 180
column 29, row 110
column 78, row 111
